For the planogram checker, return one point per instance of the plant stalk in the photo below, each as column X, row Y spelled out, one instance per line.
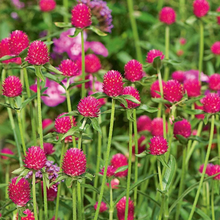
column 74, row 201
column 34, row 196
column 83, row 92
column 201, row 48
column 167, row 41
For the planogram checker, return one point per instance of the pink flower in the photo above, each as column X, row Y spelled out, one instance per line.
column 153, row 54
column 103, row 207
column 98, row 48
column 119, row 160
column 92, row 63
column 120, row 206
column 133, row 70
column 12, row 86
column 192, row 87
column 51, row 192
column 182, row 41
column 30, row 215
column 48, row 148
column 157, row 127
column 141, row 146
column 114, row 183
column 155, row 89
column 110, row 171
column 158, row 145
column 218, row 17
column 211, row 103
column 182, row 128
column 6, row 150
column 47, row 5
column 144, row 123
column 179, row 76
column 200, row 8
column 69, row 68
column 46, row 123
column 215, row 48
column 167, row 15
column 214, row 82
column 199, row 116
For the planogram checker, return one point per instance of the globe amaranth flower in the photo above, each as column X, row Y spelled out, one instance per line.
column 182, row 128
column 119, row 160
column 89, row 107
column 144, row 123
column 153, row 54
column 214, row 82
column 158, row 145
column 211, row 103
column 74, row 162
column 199, row 116
column 48, row 148
column 129, row 90
column 69, row 68
column 200, row 8
column 141, row 145
column 6, row 150
column 11, row 87
column 81, row 16
column 19, row 193
column 51, row 192
column 114, row 183
column 29, row 215
column 103, row 207
column 155, row 89
column 120, row 206
column 218, row 17
column 35, row 158
column 110, row 171
column 113, row 83
column 133, row 70
column 182, row 41
column 192, row 87
column 157, row 127
column 37, row 53
column 167, row 15
column 215, row 48
column 179, row 76
column 47, row 5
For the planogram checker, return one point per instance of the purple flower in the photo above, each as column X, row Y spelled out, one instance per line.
column 194, row 74
column 98, row 48
column 18, row 4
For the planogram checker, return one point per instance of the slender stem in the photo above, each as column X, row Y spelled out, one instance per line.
column 218, row 136
column 80, row 136
column 34, row 196
column 160, row 82
column 83, row 92
column 181, row 187
column 22, row 100
column 48, row 21
column 106, row 158
column 201, row 48
column 66, row 6
column 134, row 30
column 212, row 201
column 111, row 208
column 6, row 180
column 167, row 41
column 129, row 169
column 79, row 196
column 41, row 202
column 204, row 168
column 74, row 201
column 182, row 9
column 45, row 199
column 161, row 188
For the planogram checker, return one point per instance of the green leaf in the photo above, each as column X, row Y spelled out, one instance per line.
column 46, row 179
column 121, row 100
column 169, row 173
column 3, row 185
column 18, row 171
column 192, row 111
column 96, row 30
column 63, row 24
column 196, row 138
column 91, row 201
column 215, row 185
column 157, row 63
column 143, row 154
column 129, row 115
column 59, row 178
column 99, row 95
column 131, row 98
column 162, row 159
column 147, row 196
column 51, row 68
column 89, row 176
column 147, row 108
column 206, row 119
column 172, row 62
column 71, row 132
column 160, row 100
column 72, row 113
column 95, row 125
column 120, row 169
column 78, row 83
column 6, row 57
column 9, row 155
column 191, row 20
column 182, row 139
column 6, row 105
column 214, row 13
column 69, row 182
column 77, row 31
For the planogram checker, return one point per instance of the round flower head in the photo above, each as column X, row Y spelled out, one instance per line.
column 155, row 89
column 133, row 70
column 48, row 148
column 6, row 151
column 153, row 54
column 173, row 91
column 200, row 8
column 46, row 123
column 112, row 83
column 192, row 87
column 37, row 53
column 63, row 124
column 121, row 209
column 92, row 63
column 209, row 169
column 182, row 41
column 129, row 90
column 214, row 82
column 51, row 192
column 29, row 215
column 119, row 160
column 69, row 68
column 211, row 103
column 19, row 193
column 81, row 16
column 18, row 41
column 216, row 170
column 74, row 162
column 157, row 127
column 103, row 207
column 110, row 171
column 180, row 52
column 141, row 146
column 199, row 116
column 35, row 158
column 144, row 123
column 114, row 183
column 47, row 5
column 215, row 48
column 182, row 128
column 158, row 145
column 218, row 17
column 167, row 15
column 12, row 86
column 179, row 76
column 89, row 107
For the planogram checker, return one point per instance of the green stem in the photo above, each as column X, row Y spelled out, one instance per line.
column 111, row 208
column 161, row 188
column 41, row 203
column 48, row 21
column 201, row 48
column 106, row 158
column 74, row 201
column 204, row 168
column 45, row 199
column 167, row 41
column 160, row 83
column 79, row 196
column 66, row 6
column 129, row 169
column 6, row 180
column 83, row 92
column 80, row 136
column 182, row 9
column 218, row 136
column 212, row 201
column 134, row 30
column 181, row 187
column 34, row 196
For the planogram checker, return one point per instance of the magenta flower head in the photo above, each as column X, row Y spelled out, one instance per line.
column 155, row 89
column 192, row 87
column 37, row 53
column 103, row 207
column 81, row 16
column 167, row 15
column 129, row 90
column 182, row 41
column 48, row 148
column 157, row 127
column 63, row 124
column 29, row 215
column 110, row 171
column 6, row 150
column 74, row 162
column 12, row 86
column 214, row 82
column 199, row 116
column 47, row 5
column 215, row 48
column 121, row 209
column 19, row 193
column 51, row 192
column 211, row 103
column 182, row 128
column 120, row 160
column 158, row 145
column 218, row 17
column 144, row 123
column 112, row 83
column 200, row 8
column 89, row 107
column 133, row 70
column 69, row 68
column 173, row 91
column 179, row 76
column 18, row 41
column 153, row 54
column 35, row 158
column 141, row 146
column 92, row 63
